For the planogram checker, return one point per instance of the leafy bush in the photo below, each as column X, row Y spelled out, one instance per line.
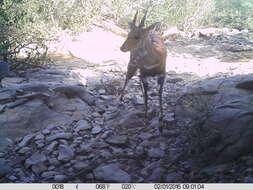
column 29, row 23
column 234, row 13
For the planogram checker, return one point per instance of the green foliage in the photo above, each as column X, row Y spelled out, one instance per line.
column 26, row 22
column 234, row 13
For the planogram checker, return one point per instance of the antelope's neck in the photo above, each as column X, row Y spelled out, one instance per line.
column 140, row 51
column 137, row 55
column 143, row 49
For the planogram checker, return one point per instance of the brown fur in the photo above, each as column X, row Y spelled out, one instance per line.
column 148, row 54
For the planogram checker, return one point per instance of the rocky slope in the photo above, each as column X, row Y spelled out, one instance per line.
column 64, row 123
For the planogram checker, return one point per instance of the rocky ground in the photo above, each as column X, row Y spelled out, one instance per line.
column 64, row 123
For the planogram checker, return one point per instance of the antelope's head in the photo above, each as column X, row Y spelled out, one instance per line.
column 137, row 34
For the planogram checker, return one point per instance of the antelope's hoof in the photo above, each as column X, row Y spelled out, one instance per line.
column 160, row 118
column 160, row 128
column 161, row 123
column 146, row 121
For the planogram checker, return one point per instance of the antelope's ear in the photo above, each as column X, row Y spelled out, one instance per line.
column 151, row 27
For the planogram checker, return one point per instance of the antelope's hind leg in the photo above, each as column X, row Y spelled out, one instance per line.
column 160, row 81
column 144, row 86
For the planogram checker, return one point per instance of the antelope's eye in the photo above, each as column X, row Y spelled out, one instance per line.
column 136, row 37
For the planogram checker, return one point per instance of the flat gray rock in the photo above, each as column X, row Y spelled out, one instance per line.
column 117, row 140
column 35, row 159
column 173, row 177
column 156, row 153
column 59, row 136
column 111, row 173
column 218, row 114
column 60, row 178
column 96, row 130
column 50, row 148
column 49, row 174
column 130, row 119
column 26, row 140
column 39, row 137
column 80, row 165
column 4, row 168
column 82, row 125
column 7, row 95
column 66, row 153
column 39, row 168
column 24, row 150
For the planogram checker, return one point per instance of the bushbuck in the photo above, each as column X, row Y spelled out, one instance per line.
column 148, row 54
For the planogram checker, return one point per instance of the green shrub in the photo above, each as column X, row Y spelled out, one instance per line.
column 25, row 22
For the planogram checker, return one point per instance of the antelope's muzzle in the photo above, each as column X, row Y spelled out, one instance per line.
column 123, row 48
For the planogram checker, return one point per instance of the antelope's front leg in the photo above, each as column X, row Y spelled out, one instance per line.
column 144, row 84
column 131, row 70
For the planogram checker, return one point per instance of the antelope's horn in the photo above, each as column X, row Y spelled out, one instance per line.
column 135, row 17
column 143, row 19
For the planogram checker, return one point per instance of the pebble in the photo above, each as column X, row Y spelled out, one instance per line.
column 54, row 161
column 60, row 178
column 19, row 172
column 79, row 138
column 66, row 153
column 106, row 134
column 26, row 140
column 106, row 97
column 40, row 143
column 24, row 150
column 2, row 154
column 105, row 154
column 145, row 136
column 39, row 168
column 117, row 140
column 117, row 150
column 248, row 179
column 51, row 146
column 49, row 174
column 63, row 141
column 101, row 91
column 4, row 168
column 214, row 169
column 156, row 153
column 46, row 132
column 82, row 125
column 111, row 173
column 12, row 178
column 139, row 150
column 96, row 130
column 169, row 117
column 39, row 137
column 149, row 168
column 173, row 177
column 35, row 159
column 59, row 136
column 79, row 165
column 51, row 168
column 156, row 175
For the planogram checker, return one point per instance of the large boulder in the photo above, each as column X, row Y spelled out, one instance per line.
column 217, row 115
column 32, row 107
